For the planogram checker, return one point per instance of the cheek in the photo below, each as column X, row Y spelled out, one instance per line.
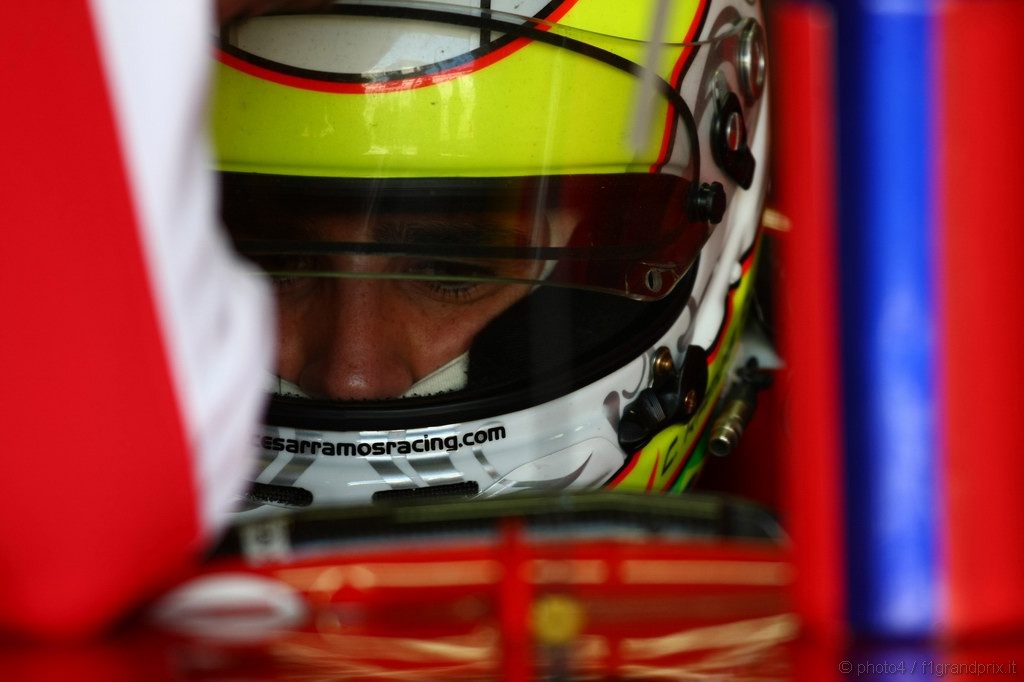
column 302, row 324
column 289, row 347
column 441, row 332
column 436, row 334
column 418, row 332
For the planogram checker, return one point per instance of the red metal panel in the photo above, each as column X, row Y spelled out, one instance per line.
column 802, row 81
column 979, row 185
column 100, row 501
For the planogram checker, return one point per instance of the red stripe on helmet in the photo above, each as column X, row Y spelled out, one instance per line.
column 677, row 76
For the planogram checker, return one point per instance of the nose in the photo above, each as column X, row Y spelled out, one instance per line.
column 353, row 343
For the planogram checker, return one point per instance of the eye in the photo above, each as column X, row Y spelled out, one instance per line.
column 286, row 270
column 460, row 288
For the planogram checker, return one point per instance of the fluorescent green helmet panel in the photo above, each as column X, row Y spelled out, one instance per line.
column 351, row 95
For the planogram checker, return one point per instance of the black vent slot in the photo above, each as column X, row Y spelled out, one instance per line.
column 283, row 495
column 464, row 489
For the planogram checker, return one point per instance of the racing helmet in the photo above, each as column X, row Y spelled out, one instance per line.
column 512, row 242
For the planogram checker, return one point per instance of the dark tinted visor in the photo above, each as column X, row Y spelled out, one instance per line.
column 626, row 234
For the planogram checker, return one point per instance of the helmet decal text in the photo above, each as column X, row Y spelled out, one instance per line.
column 368, row 448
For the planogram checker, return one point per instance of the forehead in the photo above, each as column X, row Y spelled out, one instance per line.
column 291, row 217
column 510, row 203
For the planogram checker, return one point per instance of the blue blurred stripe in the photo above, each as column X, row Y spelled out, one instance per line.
column 888, row 319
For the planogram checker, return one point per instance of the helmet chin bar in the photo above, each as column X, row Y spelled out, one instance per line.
column 574, row 445
column 588, row 461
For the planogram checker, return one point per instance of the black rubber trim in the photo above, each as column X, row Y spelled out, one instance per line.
column 547, row 519
column 403, row 188
column 485, row 34
column 472, row 405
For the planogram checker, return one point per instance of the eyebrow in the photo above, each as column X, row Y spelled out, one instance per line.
column 444, row 232
column 466, row 235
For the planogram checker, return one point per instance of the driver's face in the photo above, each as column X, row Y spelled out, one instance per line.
column 353, row 338
column 361, row 338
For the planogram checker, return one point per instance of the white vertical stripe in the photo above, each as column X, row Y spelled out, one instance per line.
column 215, row 319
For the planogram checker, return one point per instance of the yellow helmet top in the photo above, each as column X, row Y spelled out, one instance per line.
column 416, row 89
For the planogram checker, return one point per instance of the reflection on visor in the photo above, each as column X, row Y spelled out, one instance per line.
column 623, row 234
